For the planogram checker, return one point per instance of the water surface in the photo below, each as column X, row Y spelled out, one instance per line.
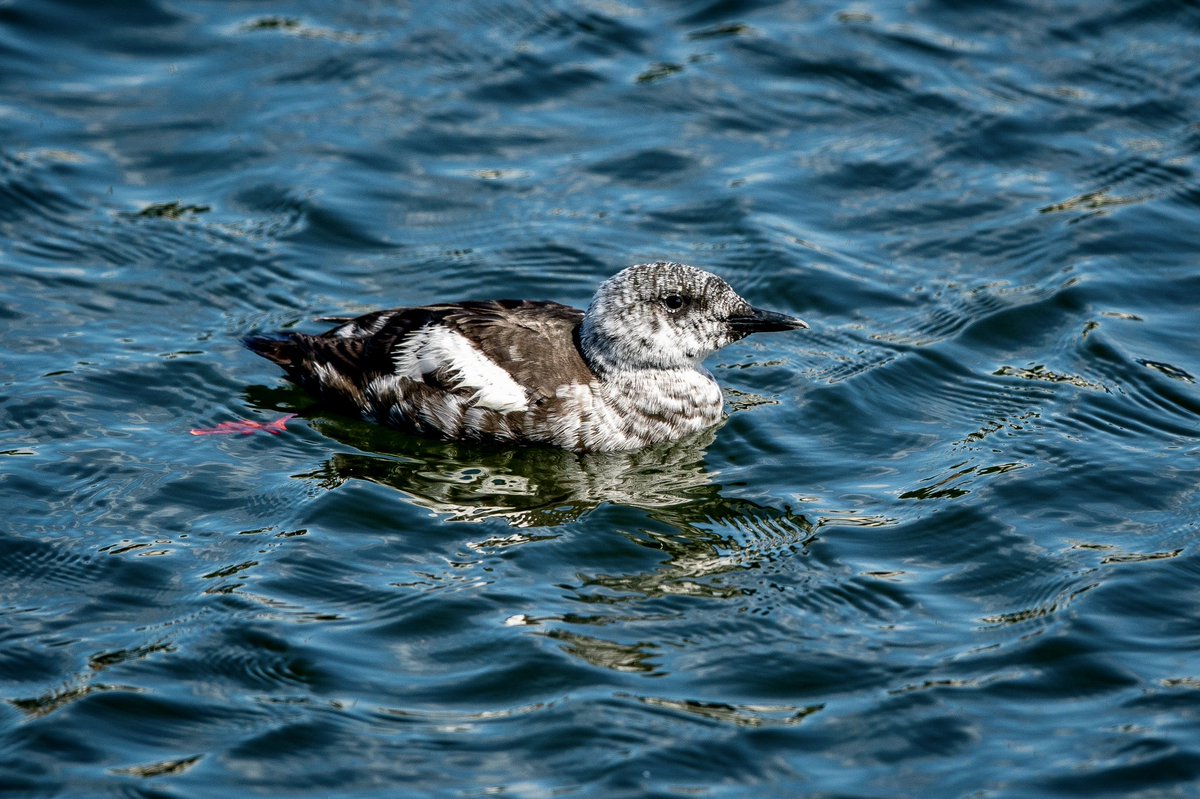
column 944, row 544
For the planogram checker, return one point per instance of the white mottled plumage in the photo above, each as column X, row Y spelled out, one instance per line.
column 435, row 347
column 623, row 375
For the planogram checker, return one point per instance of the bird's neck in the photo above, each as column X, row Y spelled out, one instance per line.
column 612, row 357
column 596, row 349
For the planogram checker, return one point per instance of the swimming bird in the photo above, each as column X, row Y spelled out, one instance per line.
column 625, row 374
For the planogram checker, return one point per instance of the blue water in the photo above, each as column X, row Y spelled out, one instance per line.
column 946, row 543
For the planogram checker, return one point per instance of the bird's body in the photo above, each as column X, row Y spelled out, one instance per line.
column 623, row 375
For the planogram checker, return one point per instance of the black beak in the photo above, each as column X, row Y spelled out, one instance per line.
column 760, row 321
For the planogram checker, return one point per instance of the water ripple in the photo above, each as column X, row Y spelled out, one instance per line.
column 937, row 538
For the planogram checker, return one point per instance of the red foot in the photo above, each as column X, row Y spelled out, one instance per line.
column 246, row 427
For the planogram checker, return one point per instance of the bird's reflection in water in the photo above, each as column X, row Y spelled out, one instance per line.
column 526, row 486
column 698, row 543
column 698, row 536
column 532, row 487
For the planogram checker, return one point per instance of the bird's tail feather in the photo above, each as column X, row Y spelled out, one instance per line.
column 283, row 351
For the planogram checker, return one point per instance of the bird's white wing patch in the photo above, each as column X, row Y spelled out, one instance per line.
column 435, row 347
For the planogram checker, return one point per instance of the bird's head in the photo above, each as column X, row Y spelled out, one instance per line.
column 668, row 316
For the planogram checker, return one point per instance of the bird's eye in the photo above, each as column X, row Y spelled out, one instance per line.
column 674, row 301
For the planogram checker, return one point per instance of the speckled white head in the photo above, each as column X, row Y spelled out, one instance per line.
column 668, row 316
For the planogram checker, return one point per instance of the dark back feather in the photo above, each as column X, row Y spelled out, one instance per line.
column 535, row 342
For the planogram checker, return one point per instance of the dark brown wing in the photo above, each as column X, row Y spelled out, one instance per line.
column 535, row 342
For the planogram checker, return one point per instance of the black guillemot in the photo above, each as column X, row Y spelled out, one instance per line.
column 622, row 375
